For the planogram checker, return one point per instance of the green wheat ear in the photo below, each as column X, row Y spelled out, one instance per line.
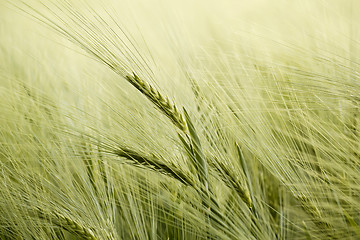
column 140, row 159
column 244, row 193
column 67, row 224
column 162, row 102
column 195, row 153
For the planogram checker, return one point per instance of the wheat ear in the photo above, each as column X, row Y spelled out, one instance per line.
column 230, row 180
column 163, row 103
column 155, row 164
column 313, row 211
column 68, row 224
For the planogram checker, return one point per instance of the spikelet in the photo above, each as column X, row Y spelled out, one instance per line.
column 163, row 103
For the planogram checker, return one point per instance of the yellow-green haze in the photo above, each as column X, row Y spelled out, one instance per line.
column 185, row 120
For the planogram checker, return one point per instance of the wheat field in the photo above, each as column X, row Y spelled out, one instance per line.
column 134, row 119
